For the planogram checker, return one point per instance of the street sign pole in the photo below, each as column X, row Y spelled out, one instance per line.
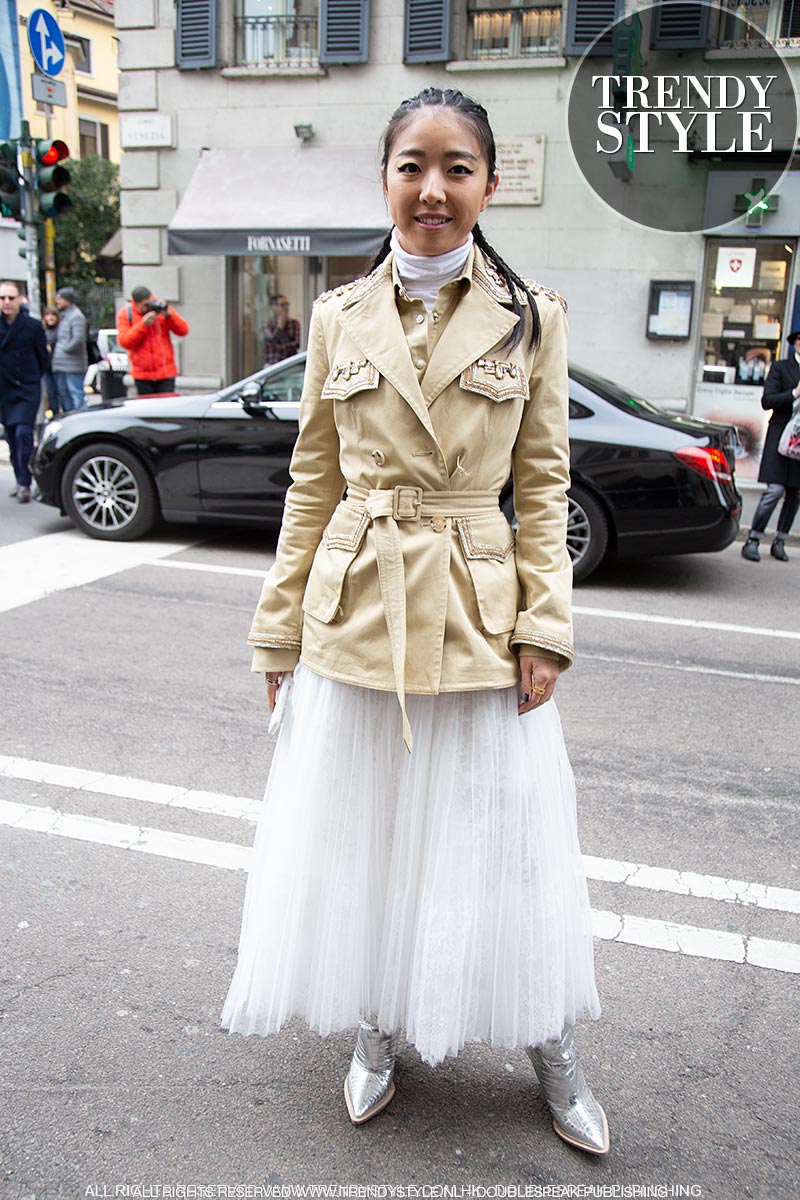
column 29, row 220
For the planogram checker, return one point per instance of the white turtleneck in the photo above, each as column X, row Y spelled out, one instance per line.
column 422, row 275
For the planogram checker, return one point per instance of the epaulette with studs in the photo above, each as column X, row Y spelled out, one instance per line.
column 357, row 288
column 342, row 289
column 535, row 288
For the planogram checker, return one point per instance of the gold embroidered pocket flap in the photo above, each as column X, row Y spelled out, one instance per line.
column 495, row 378
column 347, row 378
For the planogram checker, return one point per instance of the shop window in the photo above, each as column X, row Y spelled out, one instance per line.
column 83, row 53
column 256, row 281
column 743, row 331
column 277, row 33
column 497, row 29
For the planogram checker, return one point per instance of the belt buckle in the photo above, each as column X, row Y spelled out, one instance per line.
column 407, row 503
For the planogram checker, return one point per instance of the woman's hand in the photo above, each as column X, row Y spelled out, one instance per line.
column 274, row 679
column 537, row 683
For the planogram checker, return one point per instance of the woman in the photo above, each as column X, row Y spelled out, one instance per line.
column 781, row 474
column 50, row 319
column 440, row 892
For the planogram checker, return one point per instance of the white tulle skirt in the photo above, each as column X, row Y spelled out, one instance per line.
column 440, row 893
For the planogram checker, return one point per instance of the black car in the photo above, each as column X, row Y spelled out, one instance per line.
column 643, row 482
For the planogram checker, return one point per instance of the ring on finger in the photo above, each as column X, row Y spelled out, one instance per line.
column 273, row 682
column 539, row 691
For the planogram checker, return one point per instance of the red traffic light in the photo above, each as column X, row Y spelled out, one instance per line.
column 50, row 153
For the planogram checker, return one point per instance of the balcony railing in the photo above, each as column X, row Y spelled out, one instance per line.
column 277, row 41
column 760, row 23
column 500, row 33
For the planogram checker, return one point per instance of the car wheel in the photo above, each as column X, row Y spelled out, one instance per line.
column 587, row 532
column 108, row 493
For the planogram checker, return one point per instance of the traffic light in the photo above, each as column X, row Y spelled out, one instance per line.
column 51, row 177
column 10, row 181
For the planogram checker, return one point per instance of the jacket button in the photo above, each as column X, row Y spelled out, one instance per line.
column 419, row 363
column 419, row 319
column 378, row 457
column 439, row 524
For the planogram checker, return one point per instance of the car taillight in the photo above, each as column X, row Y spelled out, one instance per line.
column 708, row 461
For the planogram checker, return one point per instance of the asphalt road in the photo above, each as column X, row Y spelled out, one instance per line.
column 681, row 718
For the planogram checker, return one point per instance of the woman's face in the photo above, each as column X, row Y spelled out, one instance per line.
column 436, row 182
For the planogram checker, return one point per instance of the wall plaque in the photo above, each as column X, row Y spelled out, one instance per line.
column 520, row 162
column 142, row 130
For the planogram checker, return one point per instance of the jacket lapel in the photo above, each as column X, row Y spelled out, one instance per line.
column 483, row 318
column 371, row 319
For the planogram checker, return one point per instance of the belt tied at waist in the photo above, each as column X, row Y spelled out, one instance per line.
column 385, row 507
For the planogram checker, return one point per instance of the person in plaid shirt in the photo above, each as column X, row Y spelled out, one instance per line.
column 281, row 332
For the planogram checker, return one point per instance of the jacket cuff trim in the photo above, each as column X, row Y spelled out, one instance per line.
column 276, row 641
column 545, row 641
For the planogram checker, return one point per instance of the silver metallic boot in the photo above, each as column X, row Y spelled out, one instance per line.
column 577, row 1117
column 369, row 1085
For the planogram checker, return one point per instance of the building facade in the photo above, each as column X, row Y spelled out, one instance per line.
column 249, row 131
column 89, row 122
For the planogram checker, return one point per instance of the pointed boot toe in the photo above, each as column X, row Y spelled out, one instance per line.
column 750, row 550
column 369, row 1085
column 577, row 1117
column 778, row 550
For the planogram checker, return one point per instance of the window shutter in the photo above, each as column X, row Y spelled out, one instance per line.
column 586, row 20
column 197, row 34
column 427, row 31
column 790, row 19
column 343, row 31
column 679, row 26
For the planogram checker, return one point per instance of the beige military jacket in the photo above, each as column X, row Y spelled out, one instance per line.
column 414, row 581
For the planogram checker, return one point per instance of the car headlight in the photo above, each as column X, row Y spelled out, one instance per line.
column 49, row 432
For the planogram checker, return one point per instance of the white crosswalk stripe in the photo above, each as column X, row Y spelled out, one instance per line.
column 37, row 567
column 691, row 940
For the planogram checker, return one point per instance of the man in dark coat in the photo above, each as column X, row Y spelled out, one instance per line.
column 23, row 361
column 782, row 474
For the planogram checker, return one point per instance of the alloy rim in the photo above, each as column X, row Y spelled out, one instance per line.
column 105, row 493
column 579, row 532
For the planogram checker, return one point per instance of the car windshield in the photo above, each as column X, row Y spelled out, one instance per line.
column 619, row 396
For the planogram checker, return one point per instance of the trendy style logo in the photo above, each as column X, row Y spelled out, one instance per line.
column 648, row 124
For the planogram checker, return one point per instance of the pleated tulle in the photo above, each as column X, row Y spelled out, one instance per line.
column 441, row 892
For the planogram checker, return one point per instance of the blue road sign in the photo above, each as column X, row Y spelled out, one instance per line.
column 46, row 41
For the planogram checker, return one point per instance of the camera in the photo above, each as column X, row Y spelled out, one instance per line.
column 157, row 306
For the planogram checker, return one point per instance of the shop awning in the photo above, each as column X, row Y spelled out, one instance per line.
column 303, row 200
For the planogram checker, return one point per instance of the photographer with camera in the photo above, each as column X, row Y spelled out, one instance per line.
column 144, row 327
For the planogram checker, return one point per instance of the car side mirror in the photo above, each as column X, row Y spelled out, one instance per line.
column 251, row 399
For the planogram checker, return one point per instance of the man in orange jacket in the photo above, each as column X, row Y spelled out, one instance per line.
column 144, row 328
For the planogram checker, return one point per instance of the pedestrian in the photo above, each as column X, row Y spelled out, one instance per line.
column 70, row 360
column 50, row 325
column 23, row 361
column 439, row 891
column 143, row 329
column 781, row 474
column 281, row 332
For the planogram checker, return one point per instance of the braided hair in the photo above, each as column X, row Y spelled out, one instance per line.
column 475, row 115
